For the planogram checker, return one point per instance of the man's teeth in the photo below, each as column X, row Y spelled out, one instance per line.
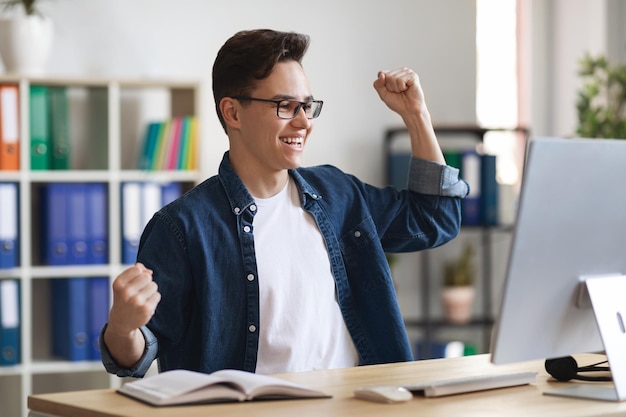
column 292, row 141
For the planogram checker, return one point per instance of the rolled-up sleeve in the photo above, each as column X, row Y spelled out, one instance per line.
column 141, row 367
column 432, row 178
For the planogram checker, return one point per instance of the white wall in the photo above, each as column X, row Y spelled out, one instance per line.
column 351, row 41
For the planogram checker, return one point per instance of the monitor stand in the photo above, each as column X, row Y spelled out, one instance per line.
column 609, row 306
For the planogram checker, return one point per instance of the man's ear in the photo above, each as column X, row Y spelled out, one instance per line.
column 228, row 108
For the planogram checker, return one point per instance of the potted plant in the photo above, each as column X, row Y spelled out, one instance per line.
column 601, row 101
column 25, row 37
column 458, row 290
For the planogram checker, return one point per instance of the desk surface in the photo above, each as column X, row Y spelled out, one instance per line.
column 523, row 400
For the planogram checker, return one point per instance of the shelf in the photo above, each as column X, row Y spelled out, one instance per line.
column 99, row 176
column 15, row 370
column 72, row 81
column 108, row 119
column 442, row 323
column 159, row 176
column 64, row 367
column 52, row 367
column 45, row 272
column 430, row 324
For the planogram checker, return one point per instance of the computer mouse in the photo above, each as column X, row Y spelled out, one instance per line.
column 383, row 394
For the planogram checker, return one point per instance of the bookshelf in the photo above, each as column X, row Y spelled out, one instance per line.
column 489, row 238
column 107, row 124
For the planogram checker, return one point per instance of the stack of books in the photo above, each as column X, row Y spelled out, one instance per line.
column 170, row 145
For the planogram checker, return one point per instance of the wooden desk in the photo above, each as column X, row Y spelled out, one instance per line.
column 516, row 401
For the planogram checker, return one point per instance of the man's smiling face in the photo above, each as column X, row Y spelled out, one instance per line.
column 269, row 142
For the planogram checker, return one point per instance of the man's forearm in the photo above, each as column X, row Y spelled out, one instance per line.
column 125, row 348
column 424, row 144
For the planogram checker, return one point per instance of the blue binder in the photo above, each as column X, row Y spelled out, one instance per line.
column 70, row 324
column 170, row 192
column 9, row 242
column 140, row 200
column 398, row 169
column 9, row 322
column 489, row 191
column 131, row 221
column 97, row 240
column 98, row 312
column 54, row 237
column 77, row 222
column 470, row 172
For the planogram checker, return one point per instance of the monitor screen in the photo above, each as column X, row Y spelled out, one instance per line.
column 571, row 224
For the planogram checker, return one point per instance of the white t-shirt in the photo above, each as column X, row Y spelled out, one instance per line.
column 301, row 326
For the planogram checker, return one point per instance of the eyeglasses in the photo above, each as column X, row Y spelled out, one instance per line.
column 289, row 109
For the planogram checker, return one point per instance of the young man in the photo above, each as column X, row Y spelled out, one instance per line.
column 269, row 267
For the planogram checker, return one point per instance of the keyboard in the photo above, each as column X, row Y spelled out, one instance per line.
column 463, row 385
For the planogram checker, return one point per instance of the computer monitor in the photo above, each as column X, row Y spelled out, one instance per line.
column 569, row 243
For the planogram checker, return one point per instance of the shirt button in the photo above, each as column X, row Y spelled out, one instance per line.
column 357, row 234
column 252, row 207
column 252, row 328
column 246, row 229
column 237, row 210
column 250, row 277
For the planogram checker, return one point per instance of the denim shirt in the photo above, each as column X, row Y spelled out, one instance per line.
column 201, row 250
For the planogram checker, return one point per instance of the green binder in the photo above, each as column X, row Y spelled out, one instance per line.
column 39, row 128
column 59, row 127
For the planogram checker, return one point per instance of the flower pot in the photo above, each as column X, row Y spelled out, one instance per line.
column 25, row 44
column 457, row 303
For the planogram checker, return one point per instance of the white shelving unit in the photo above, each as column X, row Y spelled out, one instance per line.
column 105, row 149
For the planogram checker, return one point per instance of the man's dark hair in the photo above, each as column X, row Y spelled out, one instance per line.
column 250, row 56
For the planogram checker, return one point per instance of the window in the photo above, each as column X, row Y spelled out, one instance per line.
column 497, row 84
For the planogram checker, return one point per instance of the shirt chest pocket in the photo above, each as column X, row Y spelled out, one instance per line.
column 363, row 256
column 359, row 238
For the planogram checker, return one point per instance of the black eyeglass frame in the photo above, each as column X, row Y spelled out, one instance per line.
column 300, row 105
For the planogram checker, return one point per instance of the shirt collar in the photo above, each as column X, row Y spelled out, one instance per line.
column 238, row 196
